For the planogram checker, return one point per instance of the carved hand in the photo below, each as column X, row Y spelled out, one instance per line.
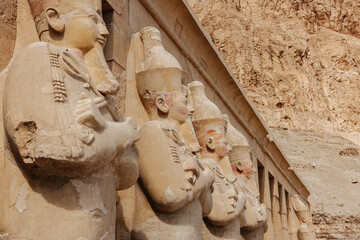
column 209, row 175
column 232, row 196
column 191, row 169
column 124, row 133
column 129, row 126
column 87, row 112
column 206, row 197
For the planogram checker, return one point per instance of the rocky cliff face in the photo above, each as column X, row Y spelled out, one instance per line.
column 329, row 167
column 298, row 61
column 8, row 30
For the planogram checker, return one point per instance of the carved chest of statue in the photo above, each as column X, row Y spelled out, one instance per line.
column 224, row 194
column 161, row 142
column 47, row 135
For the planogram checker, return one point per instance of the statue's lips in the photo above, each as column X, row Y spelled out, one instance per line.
column 101, row 40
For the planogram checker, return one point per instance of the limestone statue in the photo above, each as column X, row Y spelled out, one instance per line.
column 253, row 222
column 210, row 128
column 174, row 187
column 302, row 212
column 65, row 137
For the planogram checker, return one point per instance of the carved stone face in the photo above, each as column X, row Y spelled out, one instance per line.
column 222, row 148
column 75, row 24
column 171, row 105
column 245, row 168
column 214, row 140
column 83, row 28
column 178, row 109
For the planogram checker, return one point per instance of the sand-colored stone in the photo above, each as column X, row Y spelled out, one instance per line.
column 333, row 216
column 182, row 54
column 253, row 223
column 228, row 202
column 59, row 171
column 8, row 30
column 303, row 214
column 294, row 58
column 174, row 182
column 297, row 61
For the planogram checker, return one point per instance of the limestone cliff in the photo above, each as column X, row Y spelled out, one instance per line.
column 298, row 62
column 297, row 59
column 7, row 33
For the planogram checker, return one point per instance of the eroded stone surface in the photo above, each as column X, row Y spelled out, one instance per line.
column 63, row 135
column 8, row 30
column 178, row 190
column 294, row 58
column 228, row 201
column 297, row 61
column 313, row 156
column 68, row 169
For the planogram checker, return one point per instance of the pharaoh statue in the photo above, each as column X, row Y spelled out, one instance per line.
column 65, row 139
column 253, row 224
column 223, row 222
column 303, row 215
column 174, row 188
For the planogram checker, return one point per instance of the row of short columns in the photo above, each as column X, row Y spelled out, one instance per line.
column 281, row 219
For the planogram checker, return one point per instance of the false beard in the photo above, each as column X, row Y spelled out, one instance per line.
column 99, row 71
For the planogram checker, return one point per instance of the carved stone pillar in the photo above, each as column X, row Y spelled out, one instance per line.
column 269, row 234
column 275, row 208
column 283, row 215
column 292, row 219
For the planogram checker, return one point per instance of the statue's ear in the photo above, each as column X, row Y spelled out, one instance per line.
column 55, row 20
column 210, row 143
column 239, row 166
column 161, row 104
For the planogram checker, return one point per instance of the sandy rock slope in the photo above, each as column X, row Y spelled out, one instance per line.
column 298, row 61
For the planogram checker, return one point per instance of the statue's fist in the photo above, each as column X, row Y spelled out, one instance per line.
column 87, row 112
column 133, row 133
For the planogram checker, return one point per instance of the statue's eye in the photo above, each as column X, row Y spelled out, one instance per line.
column 92, row 14
column 93, row 17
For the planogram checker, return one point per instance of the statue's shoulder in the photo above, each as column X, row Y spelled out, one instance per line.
column 154, row 130
column 210, row 163
column 34, row 57
column 38, row 47
column 162, row 130
column 154, row 124
column 158, row 127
